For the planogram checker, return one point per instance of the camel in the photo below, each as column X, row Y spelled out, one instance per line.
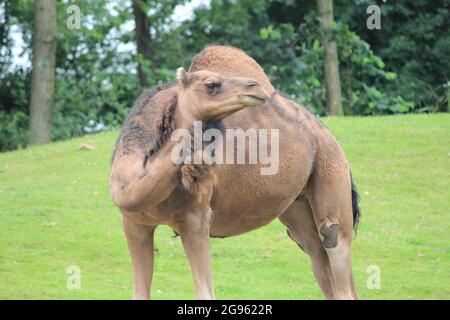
column 312, row 193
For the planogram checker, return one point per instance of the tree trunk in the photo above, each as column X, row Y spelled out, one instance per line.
column 43, row 74
column 331, row 62
column 143, row 38
column 448, row 96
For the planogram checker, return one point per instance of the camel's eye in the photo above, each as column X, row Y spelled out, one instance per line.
column 213, row 87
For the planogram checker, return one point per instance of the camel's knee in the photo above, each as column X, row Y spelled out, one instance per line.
column 329, row 235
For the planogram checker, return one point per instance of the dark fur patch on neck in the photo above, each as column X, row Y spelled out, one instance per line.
column 206, row 125
column 165, row 130
column 148, row 125
column 190, row 176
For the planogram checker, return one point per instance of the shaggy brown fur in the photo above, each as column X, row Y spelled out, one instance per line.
column 149, row 123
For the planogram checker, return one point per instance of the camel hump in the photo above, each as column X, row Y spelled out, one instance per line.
column 230, row 62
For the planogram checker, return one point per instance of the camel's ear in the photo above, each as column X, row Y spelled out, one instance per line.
column 183, row 76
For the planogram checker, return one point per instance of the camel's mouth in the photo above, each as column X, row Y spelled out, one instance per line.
column 256, row 99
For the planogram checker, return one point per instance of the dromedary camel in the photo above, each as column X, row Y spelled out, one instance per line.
column 311, row 193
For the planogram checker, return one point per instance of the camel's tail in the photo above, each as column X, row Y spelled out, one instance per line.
column 355, row 204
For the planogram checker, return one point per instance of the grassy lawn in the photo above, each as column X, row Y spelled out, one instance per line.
column 55, row 212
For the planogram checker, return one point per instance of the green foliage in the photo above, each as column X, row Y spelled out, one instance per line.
column 414, row 41
column 96, row 84
column 403, row 67
column 89, row 105
column 363, row 76
column 14, row 133
column 13, row 110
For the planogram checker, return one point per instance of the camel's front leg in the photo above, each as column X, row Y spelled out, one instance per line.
column 194, row 232
column 140, row 244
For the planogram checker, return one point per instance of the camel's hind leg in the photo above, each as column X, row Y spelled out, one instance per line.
column 302, row 229
column 331, row 203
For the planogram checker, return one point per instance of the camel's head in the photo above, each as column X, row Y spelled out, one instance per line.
column 207, row 95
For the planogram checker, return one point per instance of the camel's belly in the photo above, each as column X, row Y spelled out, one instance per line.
column 228, row 223
column 245, row 204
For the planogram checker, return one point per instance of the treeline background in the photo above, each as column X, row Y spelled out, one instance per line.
column 403, row 67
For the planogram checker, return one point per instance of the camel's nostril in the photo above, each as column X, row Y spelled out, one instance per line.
column 251, row 84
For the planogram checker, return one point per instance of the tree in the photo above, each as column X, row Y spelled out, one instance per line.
column 331, row 62
column 43, row 74
column 414, row 42
column 153, row 22
column 143, row 38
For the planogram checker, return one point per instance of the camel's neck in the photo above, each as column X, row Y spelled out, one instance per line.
column 187, row 111
column 183, row 119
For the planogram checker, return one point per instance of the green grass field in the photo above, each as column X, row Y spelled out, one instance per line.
column 55, row 212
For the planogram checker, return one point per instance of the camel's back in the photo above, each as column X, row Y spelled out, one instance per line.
column 230, row 62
